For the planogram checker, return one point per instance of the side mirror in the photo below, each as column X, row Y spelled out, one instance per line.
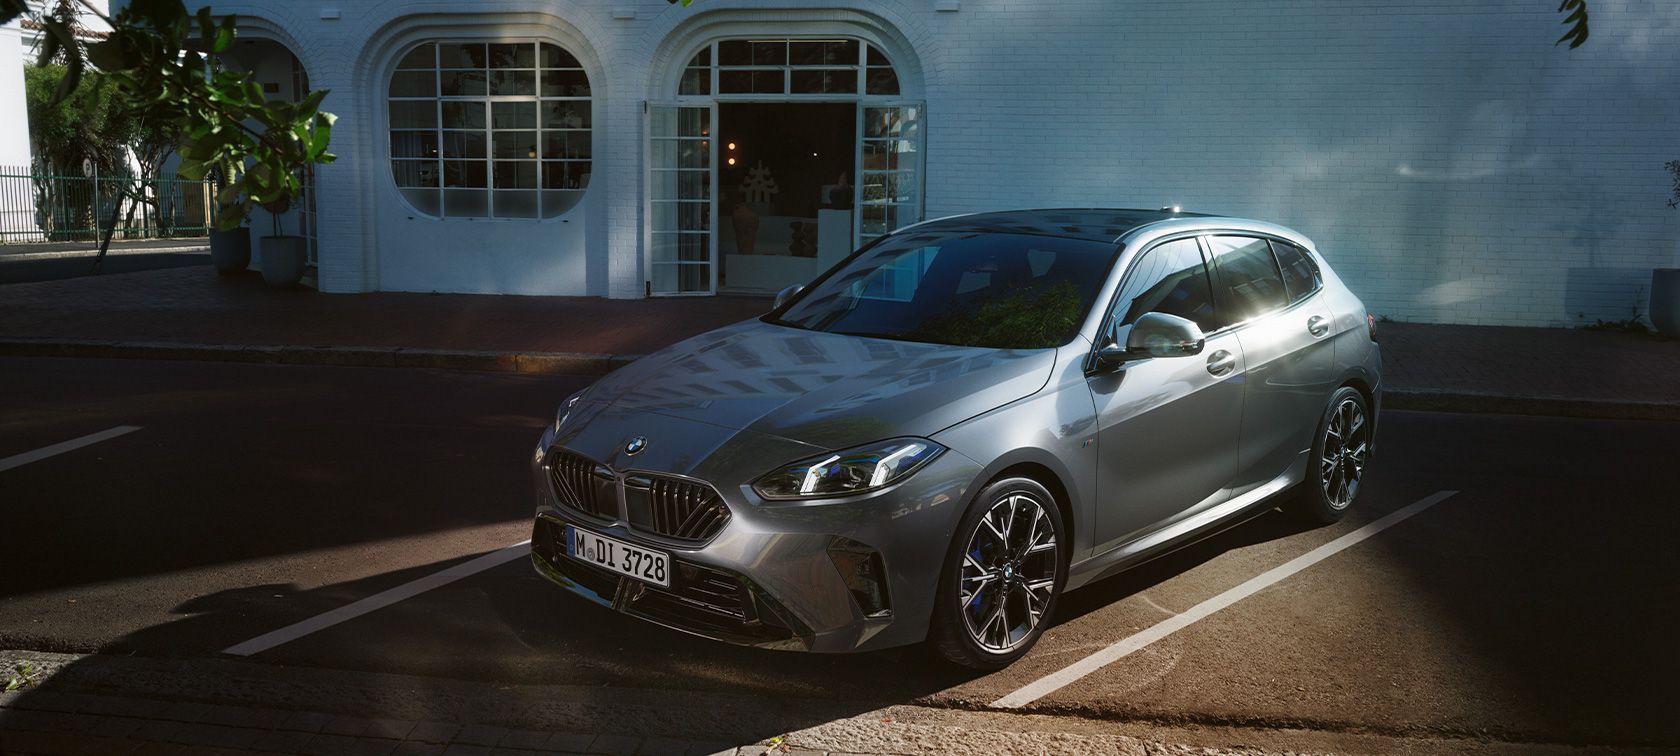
column 1158, row 334
column 785, row 294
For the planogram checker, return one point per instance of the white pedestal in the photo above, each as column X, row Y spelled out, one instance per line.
column 834, row 237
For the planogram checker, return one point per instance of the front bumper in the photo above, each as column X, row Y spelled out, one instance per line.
column 834, row 575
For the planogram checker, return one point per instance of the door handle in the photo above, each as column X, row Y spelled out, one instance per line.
column 1221, row 362
column 1318, row 325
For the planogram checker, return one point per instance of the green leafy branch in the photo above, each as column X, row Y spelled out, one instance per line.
column 22, row 675
column 1577, row 22
column 164, row 61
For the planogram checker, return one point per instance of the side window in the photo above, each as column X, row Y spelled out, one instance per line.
column 1249, row 282
column 1300, row 273
column 1169, row 278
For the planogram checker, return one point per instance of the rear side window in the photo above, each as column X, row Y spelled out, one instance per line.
column 1300, row 273
column 1169, row 278
column 1249, row 283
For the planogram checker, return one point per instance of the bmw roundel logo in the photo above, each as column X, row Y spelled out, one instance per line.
column 635, row 446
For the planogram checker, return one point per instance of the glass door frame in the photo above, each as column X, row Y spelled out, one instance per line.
column 648, row 200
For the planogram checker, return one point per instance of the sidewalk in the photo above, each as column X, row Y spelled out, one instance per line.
column 62, row 249
column 186, row 313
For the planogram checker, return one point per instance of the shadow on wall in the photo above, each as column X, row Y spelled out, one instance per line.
column 1594, row 294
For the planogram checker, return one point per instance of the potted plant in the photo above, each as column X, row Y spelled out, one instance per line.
column 283, row 256
column 230, row 249
column 1665, row 282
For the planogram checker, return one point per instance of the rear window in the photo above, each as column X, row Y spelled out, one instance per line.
column 1300, row 273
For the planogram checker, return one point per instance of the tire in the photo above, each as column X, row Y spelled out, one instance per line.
column 1339, row 457
column 972, row 631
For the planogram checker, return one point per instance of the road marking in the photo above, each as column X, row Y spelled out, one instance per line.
column 379, row 600
column 19, row 460
column 1055, row 681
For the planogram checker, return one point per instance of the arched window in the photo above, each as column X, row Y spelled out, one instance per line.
column 490, row 130
column 789, row 67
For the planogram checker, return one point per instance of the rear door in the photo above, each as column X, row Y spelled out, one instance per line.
column 1269, row 294
column 1167, row 426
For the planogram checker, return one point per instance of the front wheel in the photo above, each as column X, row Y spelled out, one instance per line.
column 1002, row 577
column 1340, row 452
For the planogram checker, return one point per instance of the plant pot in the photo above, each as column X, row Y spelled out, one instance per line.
column 283, row 258
column 1665, row 301
column 230, row 251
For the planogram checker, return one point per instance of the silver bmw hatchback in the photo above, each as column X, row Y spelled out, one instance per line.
column 938, row 437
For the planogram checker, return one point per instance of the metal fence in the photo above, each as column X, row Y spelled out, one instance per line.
column 42, row 207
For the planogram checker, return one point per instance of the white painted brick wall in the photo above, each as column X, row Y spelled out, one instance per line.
column 1452, row 164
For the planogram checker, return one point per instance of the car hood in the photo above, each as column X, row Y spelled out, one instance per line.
column 822, row 389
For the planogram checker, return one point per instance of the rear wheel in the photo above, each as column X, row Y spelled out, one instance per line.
column 1340, row 452
column 1003, row 576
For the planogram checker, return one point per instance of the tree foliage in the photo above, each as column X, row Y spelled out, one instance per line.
column 163, row 62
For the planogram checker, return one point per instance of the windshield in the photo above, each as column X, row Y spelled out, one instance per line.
column 1002, row 291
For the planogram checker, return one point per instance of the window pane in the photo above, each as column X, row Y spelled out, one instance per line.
column 466, row 203
column 513, row 82
column 1249, row 282
column 414, row 84
column 513, row 56
column 463, row 144
column 843, row 52
column 513, row 115
column 414, row 144
column 516, row 204
column 882, row 81
column 461, row 56
column 462, row 83
column 806, row 53
column 464, row 173
column 463, row 115
column 513, row 144
column 559, row 82
column 566, row 114
column 1300, row 274
column 878, row 58
column 424, row 56
column 819, row 81
column 516, row 174
column 555, row 57
column 735, row 52
column 414, row 115
column 557, row 202
column 565, row 144
column 1171, row 279
column 414, row 173
column 423, row 200
column 695, row 81
column 769, row 53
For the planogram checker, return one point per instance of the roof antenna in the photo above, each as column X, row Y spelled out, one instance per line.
column 1174, row 209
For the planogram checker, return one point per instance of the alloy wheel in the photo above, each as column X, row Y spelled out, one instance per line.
column 1008, row 572
column 1346, row 447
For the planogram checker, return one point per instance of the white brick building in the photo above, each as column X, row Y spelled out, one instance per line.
column 1451, row 163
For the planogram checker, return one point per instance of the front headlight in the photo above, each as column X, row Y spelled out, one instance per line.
column 566, row 409
column 852, row 471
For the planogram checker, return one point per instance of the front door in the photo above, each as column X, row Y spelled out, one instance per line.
column 889, row 184
column 1168, row 426
column 682, row 164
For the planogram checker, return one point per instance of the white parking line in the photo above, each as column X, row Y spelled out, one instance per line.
column 1055, row 681
column 379, row 600
column 19, row 460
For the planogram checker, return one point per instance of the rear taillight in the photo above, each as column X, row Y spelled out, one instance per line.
column 1371, row 325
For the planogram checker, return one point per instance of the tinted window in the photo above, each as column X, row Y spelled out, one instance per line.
column 1249, row 282
column 1300, row 274
column 1169, row 278
column 1004, row 291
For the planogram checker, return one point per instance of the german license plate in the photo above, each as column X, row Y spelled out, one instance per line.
column 620, row 557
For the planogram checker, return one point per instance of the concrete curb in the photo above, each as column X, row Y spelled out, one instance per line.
column 572, row 363
column 202, row 249
column 586, row 363
column 1501, row 404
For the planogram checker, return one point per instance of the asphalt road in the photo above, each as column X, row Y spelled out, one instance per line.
column 25, row 269
column 1536, row 605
